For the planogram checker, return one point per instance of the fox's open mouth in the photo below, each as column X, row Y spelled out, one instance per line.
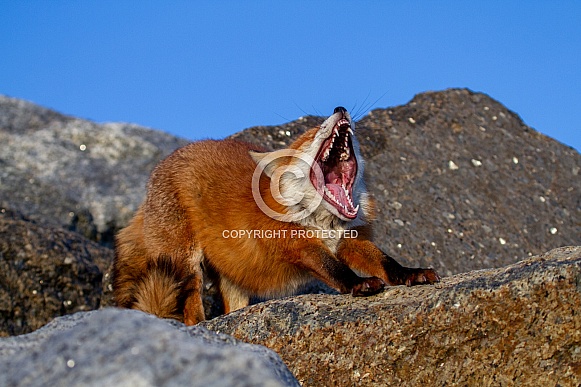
column 338, row 165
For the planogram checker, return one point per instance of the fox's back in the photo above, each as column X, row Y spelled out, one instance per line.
column 206, row 184
column 207, row 166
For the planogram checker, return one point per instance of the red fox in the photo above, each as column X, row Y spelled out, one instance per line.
column 263, row 222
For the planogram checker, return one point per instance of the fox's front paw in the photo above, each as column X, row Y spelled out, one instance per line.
column 421, row 276
column 368, row 287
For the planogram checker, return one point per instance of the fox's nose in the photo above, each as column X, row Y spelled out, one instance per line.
column 339, row 109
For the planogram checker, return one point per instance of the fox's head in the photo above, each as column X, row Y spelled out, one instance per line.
column 321, row 174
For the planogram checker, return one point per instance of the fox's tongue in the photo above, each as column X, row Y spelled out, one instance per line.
column 334, row 178
column 338, row 192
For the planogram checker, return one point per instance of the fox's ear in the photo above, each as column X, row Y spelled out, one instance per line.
column 257, row 156
column 270, row 167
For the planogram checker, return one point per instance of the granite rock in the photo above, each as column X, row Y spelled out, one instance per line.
column 113, row 347
column 461, row 183
column 73, row 173
column 517, row 325
column 46, row 272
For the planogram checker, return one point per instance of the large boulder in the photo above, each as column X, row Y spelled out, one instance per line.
column 461, row 183
column 46, row 272
column 73, row 173
column 113, row 347
column 517, row 325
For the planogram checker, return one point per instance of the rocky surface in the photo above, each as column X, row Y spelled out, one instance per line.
column 461, row 183
column 518, row 325
column 113, row 347
column 73, row 173
column 46, row 272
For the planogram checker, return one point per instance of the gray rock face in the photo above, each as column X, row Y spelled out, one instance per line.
column 73, row 173
column 461, row 183
column 46, row 272
column 114, row 347
column 519, row 325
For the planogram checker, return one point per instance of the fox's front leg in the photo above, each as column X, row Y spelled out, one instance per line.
column 363, row 255
column 321, row 263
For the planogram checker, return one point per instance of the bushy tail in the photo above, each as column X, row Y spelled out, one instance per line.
column 161, row 290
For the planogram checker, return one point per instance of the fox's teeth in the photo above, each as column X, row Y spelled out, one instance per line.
column 329, row 194
column 349, row 130
column 348, row 195
column 348, row 207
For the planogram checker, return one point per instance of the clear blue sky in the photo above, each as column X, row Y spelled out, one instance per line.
column 202, row 69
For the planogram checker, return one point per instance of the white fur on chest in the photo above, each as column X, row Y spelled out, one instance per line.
column 327, row 226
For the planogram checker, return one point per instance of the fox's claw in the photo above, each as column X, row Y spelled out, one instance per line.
column 368, row 287
column 422, row 276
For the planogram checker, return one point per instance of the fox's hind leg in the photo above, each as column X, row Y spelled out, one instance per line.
column 233, row 297
column 193, row 305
